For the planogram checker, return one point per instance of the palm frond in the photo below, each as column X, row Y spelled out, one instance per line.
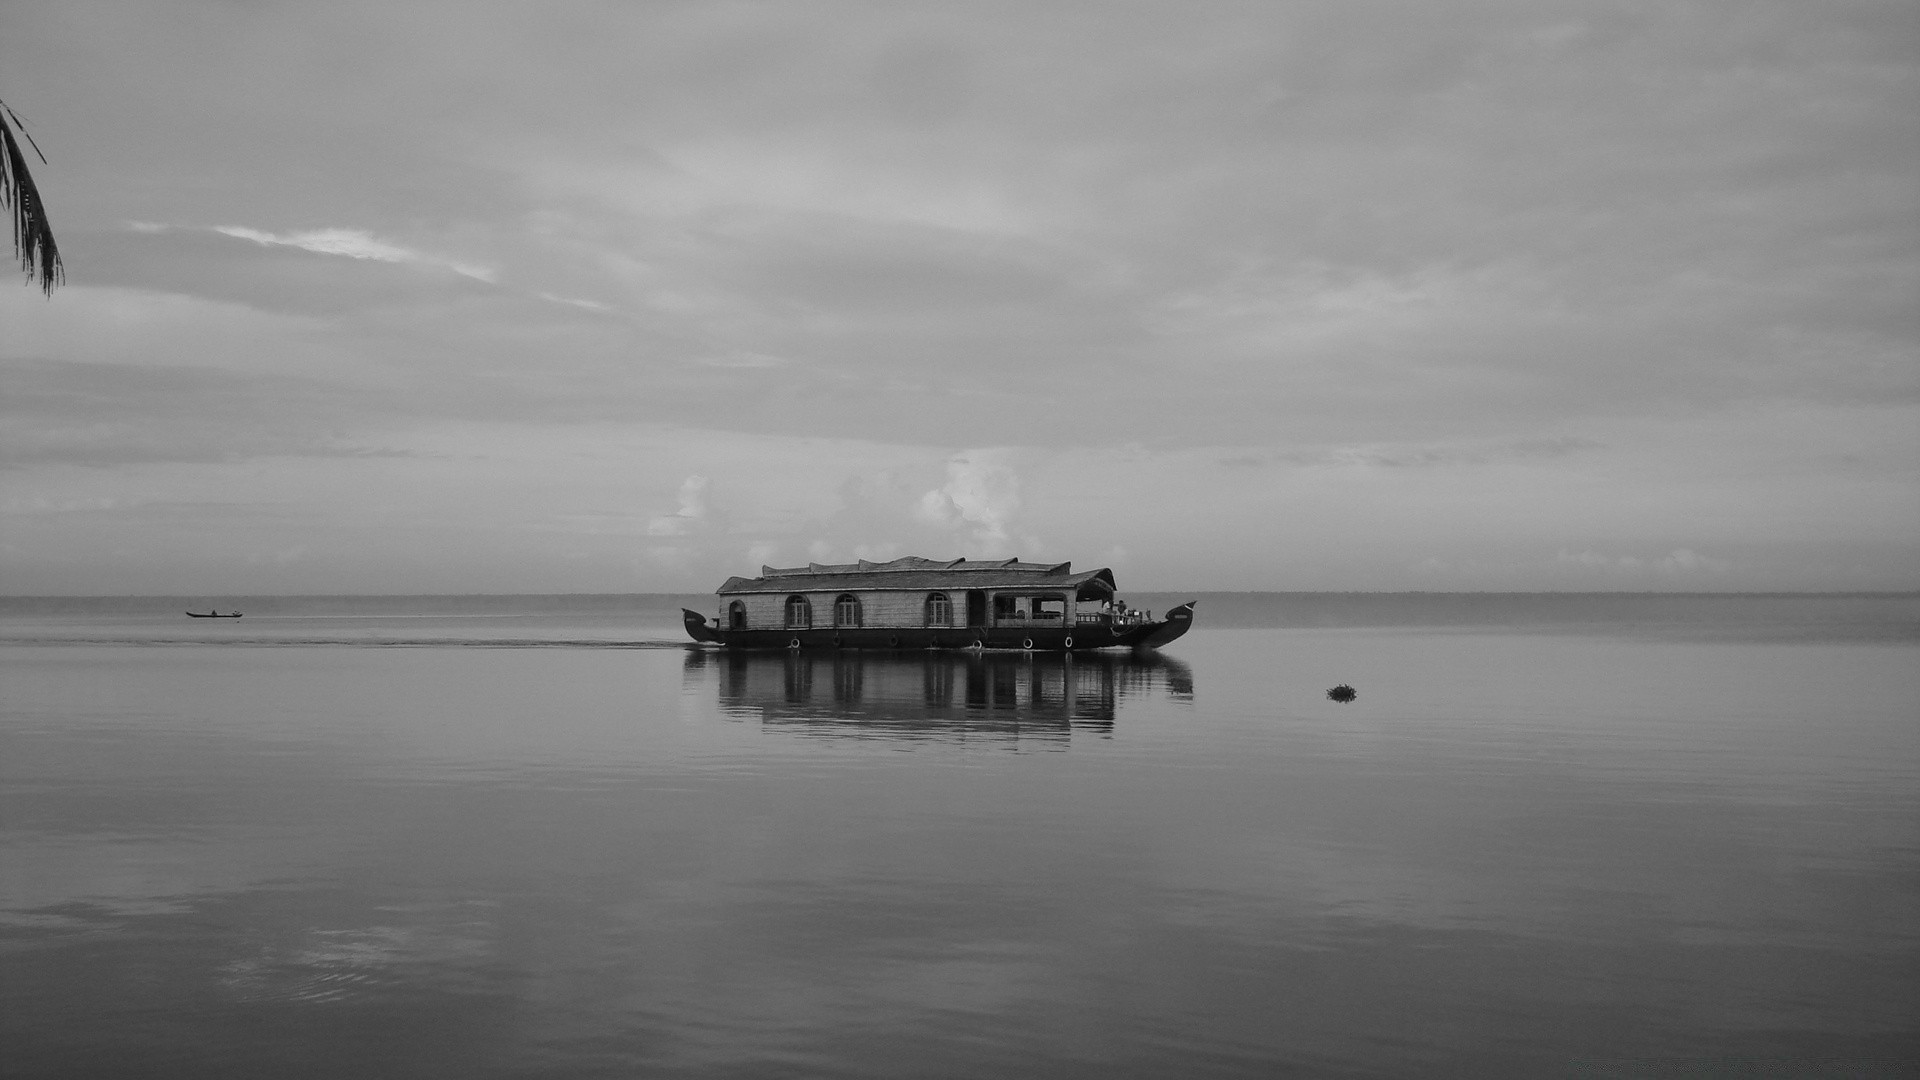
column 32, row 233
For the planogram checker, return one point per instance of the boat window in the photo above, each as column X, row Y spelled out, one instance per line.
column 1049, row 607
column 846, row 610
column 799, row 612
column 737, row 615
column 939, row 609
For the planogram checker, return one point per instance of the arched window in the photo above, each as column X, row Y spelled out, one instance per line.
column 939, row 609
column 846, row 610
column 799, row 612
column 737, row 616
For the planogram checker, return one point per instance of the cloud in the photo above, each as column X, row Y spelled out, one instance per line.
column 574, row 301
column 980, row 498
column 1678, row 563
column 354, row 244
column 1593, row 560
column 1685, row 561
column 1633, row 283
column 691, row 515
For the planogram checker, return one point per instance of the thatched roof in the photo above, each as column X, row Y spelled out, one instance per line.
column 917, row 574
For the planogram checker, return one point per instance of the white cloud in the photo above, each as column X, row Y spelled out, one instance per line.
column 691, row 515
column 574, row 301
column 1593, row 560
column 354, row 244
column 981, row 497
column 1678, row 563
column 1688, row 561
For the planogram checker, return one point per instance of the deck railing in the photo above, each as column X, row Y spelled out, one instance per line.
column 1113, row 618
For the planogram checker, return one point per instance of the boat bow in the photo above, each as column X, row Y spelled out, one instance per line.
column 1178, row 621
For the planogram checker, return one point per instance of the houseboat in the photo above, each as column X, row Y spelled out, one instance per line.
column 915, row 603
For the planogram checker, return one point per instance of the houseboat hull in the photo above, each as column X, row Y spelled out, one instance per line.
column 1083, row 636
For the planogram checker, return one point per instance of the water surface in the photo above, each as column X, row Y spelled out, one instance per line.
column 1525, row 850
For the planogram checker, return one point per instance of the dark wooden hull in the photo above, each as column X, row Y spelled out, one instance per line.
column 1142, row 635
column 211, row 615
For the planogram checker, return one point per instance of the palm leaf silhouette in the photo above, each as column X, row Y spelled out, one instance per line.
column 32, row 233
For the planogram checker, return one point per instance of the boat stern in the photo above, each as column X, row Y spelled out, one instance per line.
column 697, row 627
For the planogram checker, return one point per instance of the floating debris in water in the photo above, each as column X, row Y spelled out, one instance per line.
column 1343, row 693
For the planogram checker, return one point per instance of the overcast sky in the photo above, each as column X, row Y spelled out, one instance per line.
column 503, row 297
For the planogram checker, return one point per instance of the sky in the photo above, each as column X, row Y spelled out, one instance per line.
column 409, row 297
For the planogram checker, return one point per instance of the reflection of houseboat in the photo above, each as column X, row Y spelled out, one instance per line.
column 914, row 603
column 937, row 695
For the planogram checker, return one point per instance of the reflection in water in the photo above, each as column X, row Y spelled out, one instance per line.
column 1654, row 858
column 936, row 694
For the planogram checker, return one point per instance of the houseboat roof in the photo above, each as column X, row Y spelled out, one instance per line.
column 914, row 573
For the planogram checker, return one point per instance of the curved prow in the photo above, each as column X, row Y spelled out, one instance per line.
column 1178, row 621
column 697, row 627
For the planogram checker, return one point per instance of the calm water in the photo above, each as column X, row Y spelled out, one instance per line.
column 362, row 838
